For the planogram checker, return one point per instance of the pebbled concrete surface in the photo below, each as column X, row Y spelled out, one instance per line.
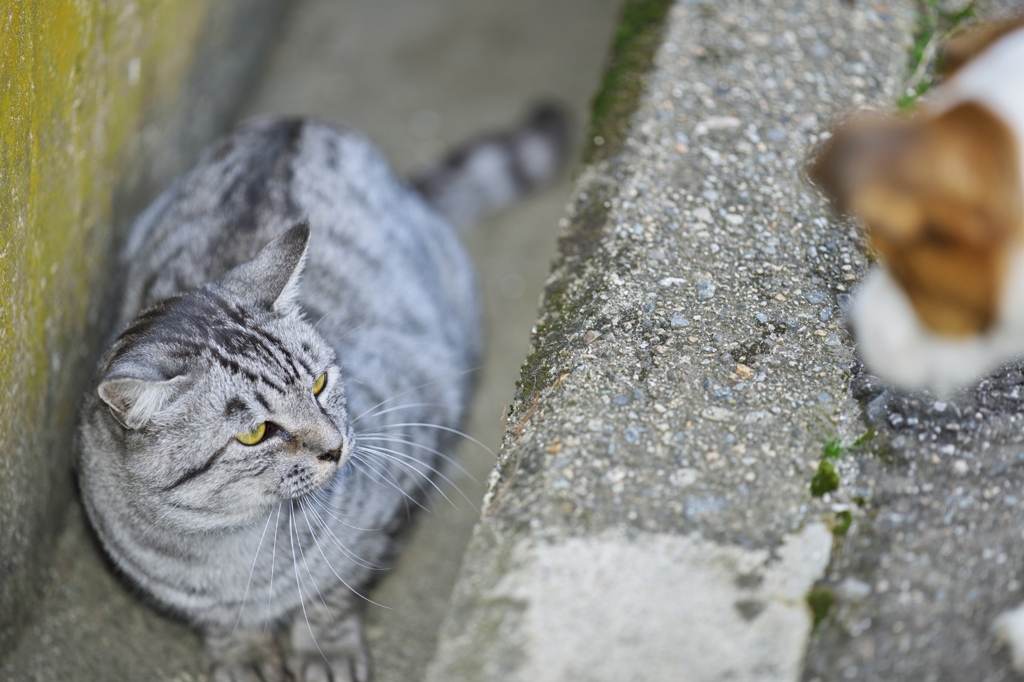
column 689, row 363
column 689, row 367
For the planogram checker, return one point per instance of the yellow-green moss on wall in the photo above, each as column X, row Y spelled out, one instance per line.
column 76, row 78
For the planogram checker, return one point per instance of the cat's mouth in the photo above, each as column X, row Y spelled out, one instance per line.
column 300, row 480
column 317, row 472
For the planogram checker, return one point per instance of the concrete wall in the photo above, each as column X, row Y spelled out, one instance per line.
column 101, row 104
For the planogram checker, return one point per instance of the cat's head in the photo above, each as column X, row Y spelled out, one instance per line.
column 940, row 196
column 225, row 401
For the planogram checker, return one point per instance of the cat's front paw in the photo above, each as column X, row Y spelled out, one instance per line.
column 331, row 651
column 242, row 657
column 331, row 666
column 255, row 671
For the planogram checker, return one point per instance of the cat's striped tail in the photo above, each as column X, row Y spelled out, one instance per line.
column 490, row 172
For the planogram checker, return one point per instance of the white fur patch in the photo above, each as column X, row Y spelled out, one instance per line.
column 1008, row 627
column 901, row 350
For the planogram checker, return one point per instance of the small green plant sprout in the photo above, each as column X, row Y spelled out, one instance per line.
column 842, row 523
column 820, row 600
column 834, row 448
column 934, row 25
column 825, row 479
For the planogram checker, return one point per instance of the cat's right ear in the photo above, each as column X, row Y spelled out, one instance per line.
column 134, row 402
column 271, row 279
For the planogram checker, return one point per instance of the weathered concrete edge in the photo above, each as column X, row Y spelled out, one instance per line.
column 128, row 99
column 480, row 625
column 632, row 56
column 636, row 40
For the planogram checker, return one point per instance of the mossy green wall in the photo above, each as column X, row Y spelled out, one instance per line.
column 76, row 79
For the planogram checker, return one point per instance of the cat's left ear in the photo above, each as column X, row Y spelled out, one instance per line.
column 271, row 279
column 134, row 401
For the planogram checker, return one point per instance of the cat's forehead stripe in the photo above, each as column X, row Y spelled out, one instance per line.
column 234, row 406
column 275, row 348
column 262, row 400
column 206, row 324
column 235, row 367
column 272, row 344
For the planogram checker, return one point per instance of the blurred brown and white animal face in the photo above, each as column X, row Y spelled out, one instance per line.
column 942, row 198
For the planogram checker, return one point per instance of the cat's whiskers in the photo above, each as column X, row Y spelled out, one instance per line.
column 359, row 458
column 340, row 579
column 414, row 474
column 447, row 429
column 323, row 498
column 407, row 440
column 338, row 543
column 302, row 553
column 407, row 461
column 298, row 582
column 245, row 595
column 273, row 567
column 415, row 388
column 405, row 466
column 405, row 406
column 327, row 510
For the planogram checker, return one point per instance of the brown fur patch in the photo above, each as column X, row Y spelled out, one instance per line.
column 964, row 47
column 941, row 200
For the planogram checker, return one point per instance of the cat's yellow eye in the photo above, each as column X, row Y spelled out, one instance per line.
column 254, row 436
column 318, row 385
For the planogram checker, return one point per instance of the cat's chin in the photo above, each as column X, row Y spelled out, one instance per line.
column 896, row 346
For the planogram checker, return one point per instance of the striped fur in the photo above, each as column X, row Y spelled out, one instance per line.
column 495, row 170
column 288, row 251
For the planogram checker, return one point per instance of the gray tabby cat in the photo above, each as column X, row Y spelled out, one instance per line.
column 300, row 329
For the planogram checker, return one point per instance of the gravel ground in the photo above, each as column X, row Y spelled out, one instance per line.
column 936, row 552
column 936, row 547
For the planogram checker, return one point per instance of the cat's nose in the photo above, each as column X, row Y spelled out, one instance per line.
column 331, row 445
column 331, row 456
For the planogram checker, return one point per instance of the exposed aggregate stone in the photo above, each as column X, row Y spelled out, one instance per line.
column 691, row 360
column 939, row 551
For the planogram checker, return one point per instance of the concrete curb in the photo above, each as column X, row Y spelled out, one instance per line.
column 689, row 366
